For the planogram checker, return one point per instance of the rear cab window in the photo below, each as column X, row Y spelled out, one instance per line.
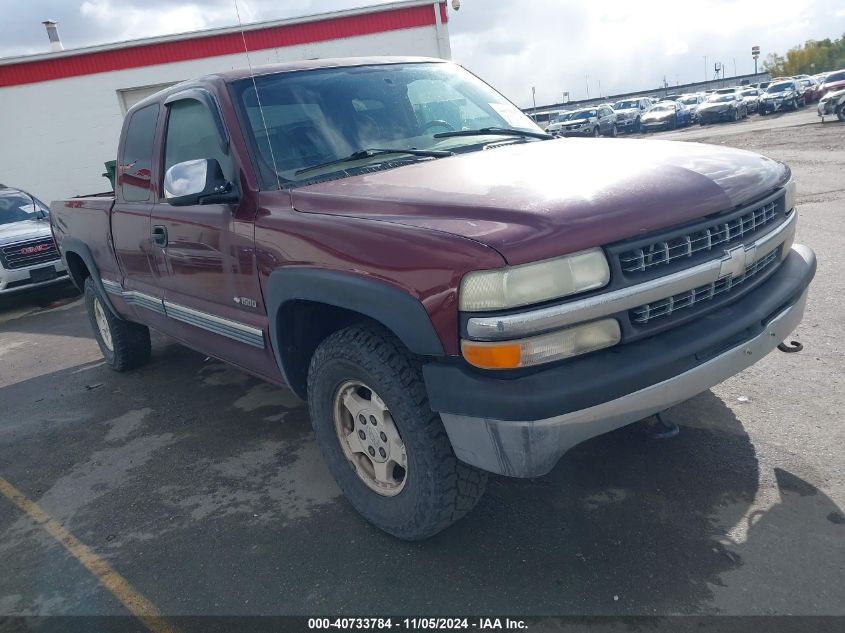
column 136, row 160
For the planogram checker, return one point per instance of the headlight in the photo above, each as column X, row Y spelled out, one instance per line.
column 515, row 286
column 546, row 348
column 789, row 198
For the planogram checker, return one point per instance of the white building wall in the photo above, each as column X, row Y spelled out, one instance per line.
column 56, row 135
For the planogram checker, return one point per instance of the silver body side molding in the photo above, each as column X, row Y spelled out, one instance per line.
column 224, row 327
column 234, row 330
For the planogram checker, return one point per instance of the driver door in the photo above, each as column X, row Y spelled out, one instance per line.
column 204, row 254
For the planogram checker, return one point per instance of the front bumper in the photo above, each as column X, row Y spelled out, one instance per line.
column 20, row 279
column 713, row 117
column 522, row 426
column 773, row 106
column 827, row 107
column 587, row 130
column 662, row 124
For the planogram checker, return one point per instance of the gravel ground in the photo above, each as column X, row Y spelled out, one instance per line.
column 203, row 488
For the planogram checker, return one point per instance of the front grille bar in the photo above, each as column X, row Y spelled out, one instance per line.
column 665, row 307
column 665, row 252
column 12, row 258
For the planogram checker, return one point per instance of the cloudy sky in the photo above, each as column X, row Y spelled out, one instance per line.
column 620, row 45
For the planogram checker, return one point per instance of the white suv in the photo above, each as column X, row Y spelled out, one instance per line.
column 28, row 255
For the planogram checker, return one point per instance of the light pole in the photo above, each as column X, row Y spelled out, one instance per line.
column 534, row 96
column 587, row 81
column 705, row 72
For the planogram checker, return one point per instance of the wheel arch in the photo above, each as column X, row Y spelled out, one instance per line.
column 80, row 263
column 305, row 305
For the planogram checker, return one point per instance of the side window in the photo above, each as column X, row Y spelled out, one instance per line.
column 137, row 159
column 192, row 134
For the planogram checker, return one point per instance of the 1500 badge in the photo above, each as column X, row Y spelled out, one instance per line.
column 246, row 302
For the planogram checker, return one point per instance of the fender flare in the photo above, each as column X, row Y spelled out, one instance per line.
column 78, row 247
column 397, row 310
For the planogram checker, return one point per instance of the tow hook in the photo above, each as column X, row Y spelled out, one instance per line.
column 794, row 346
column 660, row 428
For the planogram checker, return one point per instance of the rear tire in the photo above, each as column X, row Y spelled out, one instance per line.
column 434, row 489
column 125, row 345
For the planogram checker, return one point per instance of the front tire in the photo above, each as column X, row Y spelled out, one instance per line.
column 840, row 113
column 125, row 345
column 596, row 132
column 387, row 450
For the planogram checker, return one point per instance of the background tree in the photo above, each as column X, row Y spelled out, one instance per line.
column 814, row 56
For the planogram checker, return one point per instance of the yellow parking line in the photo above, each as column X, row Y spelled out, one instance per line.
column 132, row 599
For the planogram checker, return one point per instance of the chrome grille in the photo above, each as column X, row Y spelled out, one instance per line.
column 28, row 253
column 665, row 307
column 700, row 240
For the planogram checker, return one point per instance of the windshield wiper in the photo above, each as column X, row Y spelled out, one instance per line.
column 361, row 154
column 499, row 131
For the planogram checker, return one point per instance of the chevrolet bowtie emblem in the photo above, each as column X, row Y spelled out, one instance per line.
column 736, row 261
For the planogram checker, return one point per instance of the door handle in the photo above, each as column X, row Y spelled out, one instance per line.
column 160, row 236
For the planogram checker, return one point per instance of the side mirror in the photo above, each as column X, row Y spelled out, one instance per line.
column 198, row 181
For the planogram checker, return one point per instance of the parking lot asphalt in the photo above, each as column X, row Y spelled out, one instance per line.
column 202, row 487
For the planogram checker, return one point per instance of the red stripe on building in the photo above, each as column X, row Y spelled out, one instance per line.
column 444, row 16
column 141, row 55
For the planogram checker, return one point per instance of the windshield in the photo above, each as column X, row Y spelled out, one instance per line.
column 689, row 100
column 319, row 116
column 838, row 76
column 721, row 98
column 749, row 93
column 781, row 87
column 626, row 105
column 661, row 107
column 16, row 206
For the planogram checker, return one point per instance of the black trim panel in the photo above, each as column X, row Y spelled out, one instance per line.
column 80, row 248
column 397, row 310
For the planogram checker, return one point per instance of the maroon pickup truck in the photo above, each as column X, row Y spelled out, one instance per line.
column 451, row 290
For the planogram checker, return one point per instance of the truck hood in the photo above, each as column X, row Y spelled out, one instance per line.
column 24, row 230
column 536, row 200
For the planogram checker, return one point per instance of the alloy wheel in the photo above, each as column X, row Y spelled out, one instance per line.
column 369, row 438
column 103, row 324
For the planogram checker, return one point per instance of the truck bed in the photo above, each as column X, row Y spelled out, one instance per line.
column 85, row 220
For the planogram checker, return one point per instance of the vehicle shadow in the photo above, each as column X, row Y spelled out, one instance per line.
column 30, row 301
column 203, row 487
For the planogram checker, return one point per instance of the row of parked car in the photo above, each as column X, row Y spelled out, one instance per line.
column 646, row 114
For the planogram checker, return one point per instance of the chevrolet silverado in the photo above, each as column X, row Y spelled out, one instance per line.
column 451, row 290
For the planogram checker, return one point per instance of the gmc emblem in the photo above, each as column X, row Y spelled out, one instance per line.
column 29, row 250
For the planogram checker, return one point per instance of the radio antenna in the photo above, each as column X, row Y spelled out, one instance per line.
column 257, row 96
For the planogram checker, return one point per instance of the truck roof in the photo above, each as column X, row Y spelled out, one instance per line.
column 228, row 76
